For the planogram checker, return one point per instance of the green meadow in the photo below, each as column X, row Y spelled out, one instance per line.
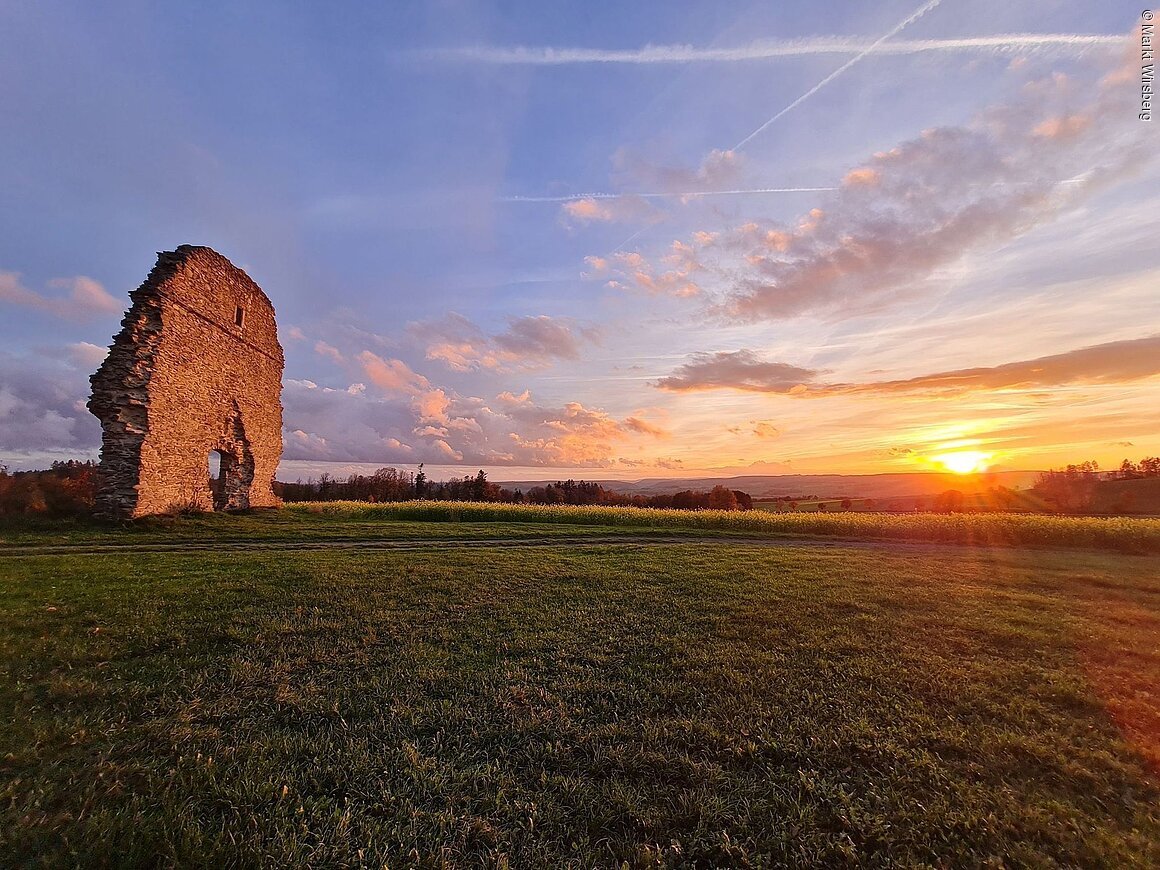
column 391, row 685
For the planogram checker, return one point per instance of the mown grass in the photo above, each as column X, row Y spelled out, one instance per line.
column 657, row 706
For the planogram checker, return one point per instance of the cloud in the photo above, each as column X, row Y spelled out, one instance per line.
column 541, row 338
column 395, row 414
column 719, row 169
column 920, row 206
column 758, row 428
column 617, row 208
column 675, row 280
column 333, row 425
column 863, row 176
column 598, row 266
column 570, row 435
column 392, row 375
column 644, row 427
column 438, row 425
column 586, row 211
column 1063, row 127
column 82, row 298
column 329, row 351
column 86, row 356
column 1110, row 363
column 718, row 175
column 432, row 407
column 657, row 462
column 736, row 370
column 668, row 194
column 773, row 49
column 528, row 343
column 42, row 403
column 508, row 398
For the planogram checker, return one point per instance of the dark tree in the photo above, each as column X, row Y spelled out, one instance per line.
column 949, row 502
column 1070, row 490
column 721, row 498
column 744, row 500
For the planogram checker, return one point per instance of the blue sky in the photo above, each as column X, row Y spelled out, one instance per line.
column 409, row 183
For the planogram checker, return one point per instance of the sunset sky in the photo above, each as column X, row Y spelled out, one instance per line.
column 605, row 239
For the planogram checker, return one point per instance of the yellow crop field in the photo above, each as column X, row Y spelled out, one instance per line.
column 1128, row 534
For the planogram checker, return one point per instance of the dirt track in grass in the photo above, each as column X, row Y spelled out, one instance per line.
column 407, row 544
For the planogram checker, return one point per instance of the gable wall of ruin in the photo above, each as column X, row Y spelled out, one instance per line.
column 189, row 379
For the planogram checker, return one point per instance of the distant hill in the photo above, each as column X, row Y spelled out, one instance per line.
column 894, row 485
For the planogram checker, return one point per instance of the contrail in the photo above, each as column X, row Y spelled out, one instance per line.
column 914, row 16
column 623, row 244
column 1003, row 43
column 576, row 197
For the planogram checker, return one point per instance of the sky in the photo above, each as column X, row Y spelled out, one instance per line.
column 610, row 240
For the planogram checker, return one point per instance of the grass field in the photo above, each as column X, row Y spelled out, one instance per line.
column 360, row 521
column 599, row 704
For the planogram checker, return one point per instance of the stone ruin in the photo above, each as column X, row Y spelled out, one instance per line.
column 196, row 369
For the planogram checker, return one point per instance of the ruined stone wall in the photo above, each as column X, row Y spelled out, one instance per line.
column 183, row 378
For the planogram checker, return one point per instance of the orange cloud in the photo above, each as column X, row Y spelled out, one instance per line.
column 1063, row 127
column 644, row 427
column 587, row 210
column 864, row 176
column 607, row 209
column 392, row 375
column 1113, row 362
column 530, row 342
column 745, row 371
column 672, row 282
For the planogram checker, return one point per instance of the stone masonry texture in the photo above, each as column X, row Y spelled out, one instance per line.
column 196, row 368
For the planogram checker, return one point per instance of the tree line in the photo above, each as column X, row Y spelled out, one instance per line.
column 69, row 488
column 1073, row 489
column 391, row 484
column 1149, row 466
column 66, row 489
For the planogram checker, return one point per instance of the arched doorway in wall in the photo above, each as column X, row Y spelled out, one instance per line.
column 234, row 463
column 214, row 467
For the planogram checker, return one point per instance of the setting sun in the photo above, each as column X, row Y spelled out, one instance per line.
column 964, row 462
